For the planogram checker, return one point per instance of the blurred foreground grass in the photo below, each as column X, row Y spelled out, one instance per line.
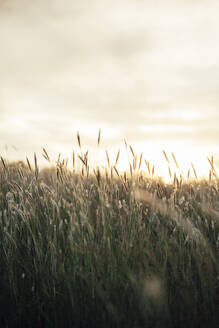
column 106, row 250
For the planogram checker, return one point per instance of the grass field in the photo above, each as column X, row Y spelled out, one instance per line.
column 105, row 249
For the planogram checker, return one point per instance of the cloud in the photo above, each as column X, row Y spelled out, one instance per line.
column 66, row 65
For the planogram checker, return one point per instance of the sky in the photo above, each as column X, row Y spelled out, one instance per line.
column 143, row 70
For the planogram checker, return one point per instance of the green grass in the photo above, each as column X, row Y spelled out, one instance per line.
column 102, row 250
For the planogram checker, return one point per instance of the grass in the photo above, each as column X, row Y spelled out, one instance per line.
column 107, row 249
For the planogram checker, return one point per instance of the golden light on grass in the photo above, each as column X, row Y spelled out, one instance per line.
column 153, row 159
column 108, row 161
column 84, row 214
column 117, row 157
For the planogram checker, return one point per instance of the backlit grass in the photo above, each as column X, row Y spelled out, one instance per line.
column 107, row 249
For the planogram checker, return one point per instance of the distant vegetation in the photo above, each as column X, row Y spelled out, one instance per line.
column 106, row 249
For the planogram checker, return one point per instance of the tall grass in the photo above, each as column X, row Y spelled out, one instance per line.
column 107, row 249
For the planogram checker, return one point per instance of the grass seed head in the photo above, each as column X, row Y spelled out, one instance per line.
column 194, row 170
column 140, row 161
column 165, row 155
column 117, row 157
column 175, row 161
column 98, row 139
column 46, row 155
column 108, row 161
column 28, row 163
column 79, row 139
column 132, row 151
column 73, row 159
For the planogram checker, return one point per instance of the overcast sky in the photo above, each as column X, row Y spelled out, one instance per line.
column 143, row 70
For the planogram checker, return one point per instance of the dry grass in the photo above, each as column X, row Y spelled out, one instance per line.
column 107, row 248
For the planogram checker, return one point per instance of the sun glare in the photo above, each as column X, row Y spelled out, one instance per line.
column 152, row 159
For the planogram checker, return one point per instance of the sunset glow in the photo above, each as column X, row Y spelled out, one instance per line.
column 139, row 71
